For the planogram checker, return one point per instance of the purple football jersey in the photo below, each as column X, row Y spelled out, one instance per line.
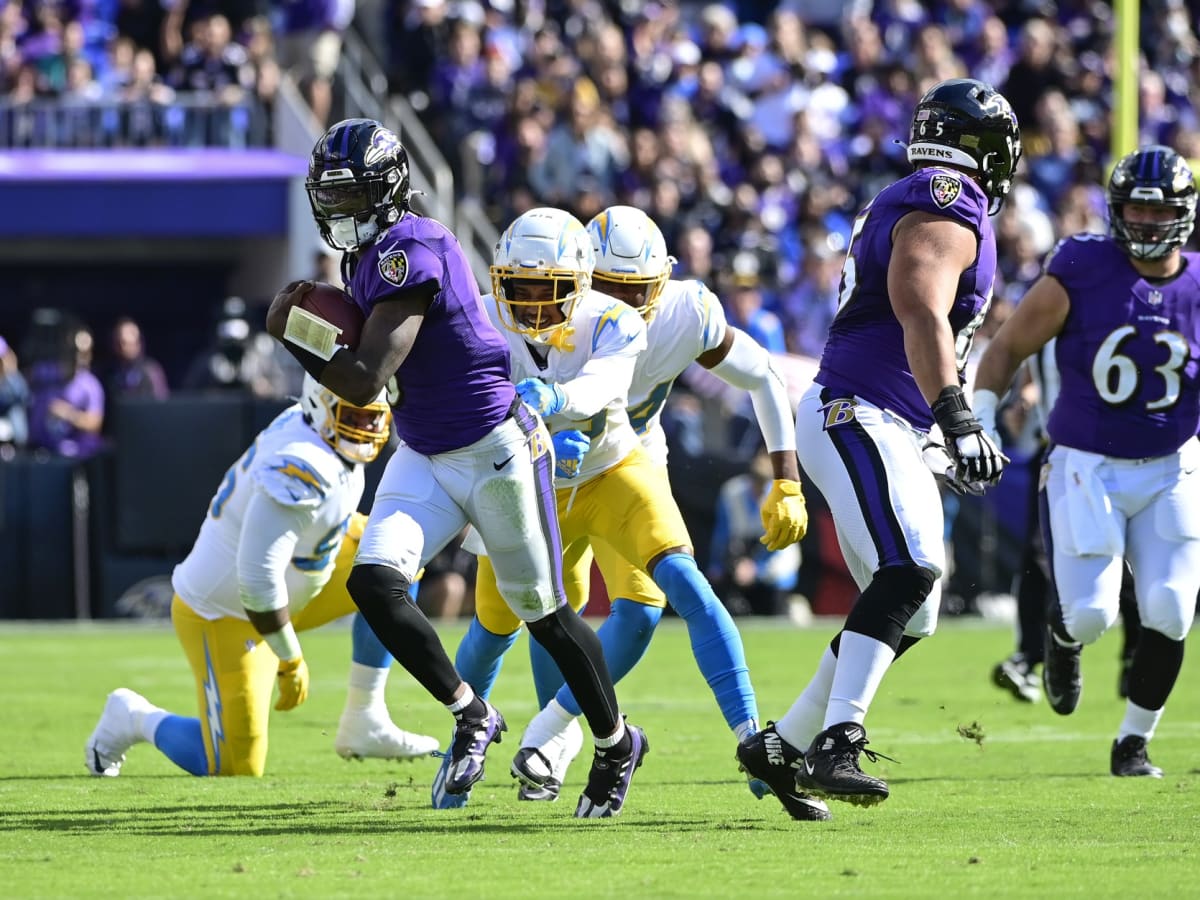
column 455, row 378
column 864, row 354
column 1127, row 353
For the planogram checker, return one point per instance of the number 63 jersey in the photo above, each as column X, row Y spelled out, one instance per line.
column 1128, row 354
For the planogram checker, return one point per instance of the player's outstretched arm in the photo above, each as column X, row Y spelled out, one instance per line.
column 1038, row 318
column 741, row 361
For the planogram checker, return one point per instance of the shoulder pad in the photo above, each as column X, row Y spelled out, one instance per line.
column 298, row 474
column 617, row 326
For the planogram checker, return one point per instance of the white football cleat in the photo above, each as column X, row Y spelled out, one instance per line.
column 119, row 728
column 366, row 735
column 542, row 769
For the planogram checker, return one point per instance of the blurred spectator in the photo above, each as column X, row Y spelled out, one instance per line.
column 241, row 359
column 14, row 401
column 746, row 305
column 66, row 409
column 309, row 44
column 446, row 590
column 133, row 373
column 748, row 577
column 585, row 145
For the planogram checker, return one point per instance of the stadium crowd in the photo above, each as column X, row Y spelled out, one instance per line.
column 87, row 73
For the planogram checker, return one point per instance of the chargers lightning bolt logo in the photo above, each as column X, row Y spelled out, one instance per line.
column 212, row 712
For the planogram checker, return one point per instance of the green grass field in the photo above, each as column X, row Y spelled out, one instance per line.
column 1028, row 811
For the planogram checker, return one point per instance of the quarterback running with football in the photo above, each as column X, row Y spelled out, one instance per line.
column 916, row 284
column 472, row 452
column 1120, row 481
column 271, row 560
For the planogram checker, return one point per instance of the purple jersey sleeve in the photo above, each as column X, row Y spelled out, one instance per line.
column 947, row 193
column 392, row 265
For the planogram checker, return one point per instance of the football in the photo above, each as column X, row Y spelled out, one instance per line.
column 335, row 307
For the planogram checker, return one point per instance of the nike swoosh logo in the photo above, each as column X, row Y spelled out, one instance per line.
column 500, row 465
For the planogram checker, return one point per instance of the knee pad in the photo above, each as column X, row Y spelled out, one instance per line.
column 1086, row 625
column 889, row 603
column 1169, row 614
column 924, row 621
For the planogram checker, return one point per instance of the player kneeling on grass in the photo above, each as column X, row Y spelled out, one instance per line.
column 271, row 559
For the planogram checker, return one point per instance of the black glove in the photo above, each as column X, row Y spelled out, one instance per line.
column 976, row 456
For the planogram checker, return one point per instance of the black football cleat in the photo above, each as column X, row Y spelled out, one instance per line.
column 773, row 761
column 830, row 769
column 1062, row 679
column 1129, row 759
column 1016, row 676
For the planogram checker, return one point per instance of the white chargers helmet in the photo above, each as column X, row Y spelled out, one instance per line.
column 543, row 245
column 356, row 433
column 631, row 257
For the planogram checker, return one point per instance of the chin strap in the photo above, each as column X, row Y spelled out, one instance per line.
column 561, row 339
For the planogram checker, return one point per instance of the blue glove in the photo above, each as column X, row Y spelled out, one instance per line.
column 546, row 399
column 570, row 447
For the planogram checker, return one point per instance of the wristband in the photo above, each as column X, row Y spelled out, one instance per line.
column 284, row 642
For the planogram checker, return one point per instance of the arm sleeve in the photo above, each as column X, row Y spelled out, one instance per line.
column 748, row 366
column 268, row 539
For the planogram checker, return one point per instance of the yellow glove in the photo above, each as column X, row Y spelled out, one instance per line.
column 784, row 515
column 293, row 683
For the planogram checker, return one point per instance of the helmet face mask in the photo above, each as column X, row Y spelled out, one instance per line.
column 357, row 183
column 1157, row 182
column 631, row 257
column 356, row 433
column 542, row 265
column 965, row 123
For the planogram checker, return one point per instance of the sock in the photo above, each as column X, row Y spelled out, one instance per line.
column 468, row 706
column 365, row 648
column 367, row 687
column 1157, row 660
column 806, row 718
column 716, row 643
column 381, row 595
column 625, row 636
column 547, row 679
column 861, row 664
column 1138, row 721
column 180, row 740
column 580, row 658
column 619, row 744
column 480, row 656
column 150, row 723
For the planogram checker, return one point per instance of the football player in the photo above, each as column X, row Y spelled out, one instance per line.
column 271, row 560
column 472, row 452
column 574, row 362
column 685, row 323
column 916, row 284
column 1121, row 480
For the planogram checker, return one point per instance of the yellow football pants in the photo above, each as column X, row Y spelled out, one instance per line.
column 235, row 670
column 627, row 516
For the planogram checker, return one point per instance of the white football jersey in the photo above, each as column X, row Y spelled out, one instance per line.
column 604, row 330
column 688, row 321
column 290, row 463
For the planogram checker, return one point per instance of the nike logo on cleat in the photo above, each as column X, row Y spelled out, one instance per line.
column 808, row 766
column 500, row 465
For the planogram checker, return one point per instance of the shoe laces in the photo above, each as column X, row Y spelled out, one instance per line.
column 854, row 748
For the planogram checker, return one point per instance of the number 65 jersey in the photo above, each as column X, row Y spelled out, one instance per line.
column 316, row 491
column 1127, row 354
